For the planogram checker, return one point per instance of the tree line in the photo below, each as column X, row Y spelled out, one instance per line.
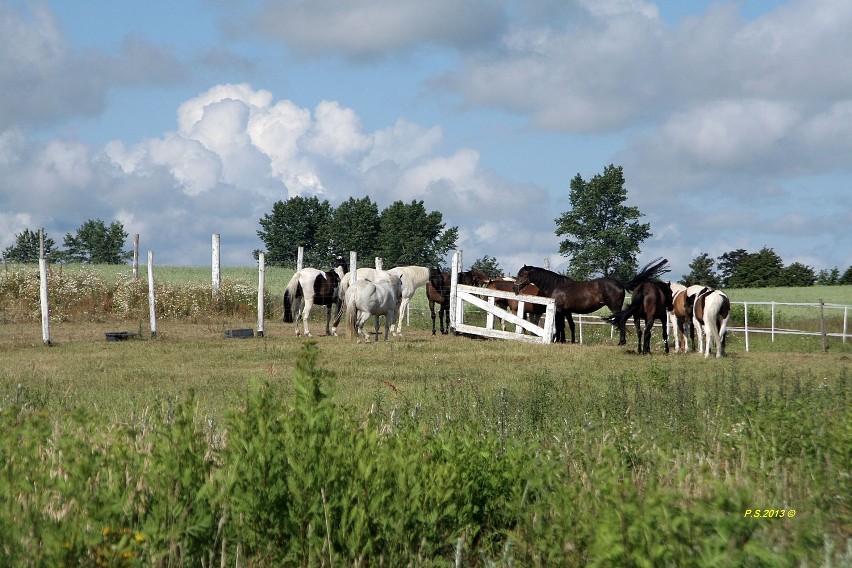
column 763, row 269
column 601, row 237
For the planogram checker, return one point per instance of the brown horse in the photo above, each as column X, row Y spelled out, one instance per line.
column 438, row 292
column 534, row 311
column 585, row 296
column 651, row 300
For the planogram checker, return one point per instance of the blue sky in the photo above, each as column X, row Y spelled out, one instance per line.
column 732, row 120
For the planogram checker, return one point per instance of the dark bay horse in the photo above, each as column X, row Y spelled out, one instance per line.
column 651, row 300
column 438, row 292
column 585, row 296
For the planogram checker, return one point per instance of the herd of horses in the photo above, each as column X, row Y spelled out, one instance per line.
column 691, row 311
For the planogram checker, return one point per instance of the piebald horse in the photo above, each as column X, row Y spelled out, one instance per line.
column 681, row 315
column 711, row 308
column 310, row 286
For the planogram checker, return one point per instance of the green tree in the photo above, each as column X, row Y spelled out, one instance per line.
column 847, row 277
column 27, row 248
column 758, row 270
column 797, row 274
column 828, row 277
column 295, row 223
column 488, row 265
column 354, row 226
column 728, row 264
column 603, row 234
column 97, row 243
column 411, row 236
column 702, row 272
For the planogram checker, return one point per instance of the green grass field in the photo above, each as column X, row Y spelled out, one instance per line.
column 195, row 449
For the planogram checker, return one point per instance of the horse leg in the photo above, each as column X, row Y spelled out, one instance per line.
column 570, row 319
column 328, row 319
column 665, row 336
column 432, row 309
column 638, row 334
column 306, row 312
column 649, row 323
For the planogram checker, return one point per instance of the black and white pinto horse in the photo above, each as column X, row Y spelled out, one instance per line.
column 365, row 298
column 311, row 286
column 710, row 311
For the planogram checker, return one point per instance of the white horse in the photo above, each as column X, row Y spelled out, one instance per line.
column 371, row 274
column 310, row 286
column 365, row 298
column 712, row 308
column 413, row 277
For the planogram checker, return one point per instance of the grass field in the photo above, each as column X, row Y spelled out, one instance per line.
column 194, row 449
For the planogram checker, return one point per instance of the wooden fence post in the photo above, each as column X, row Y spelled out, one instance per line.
column 378, row 263
column 152, row 311
column 300, row 258
column 822, row 326
column 136, row 256
column 745, row 323
column 261, row 282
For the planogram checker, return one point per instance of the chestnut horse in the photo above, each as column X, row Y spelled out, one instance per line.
column 585, row 296
column 651, row 300
column 534, row 311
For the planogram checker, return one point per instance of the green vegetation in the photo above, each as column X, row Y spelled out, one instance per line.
column 193, row 449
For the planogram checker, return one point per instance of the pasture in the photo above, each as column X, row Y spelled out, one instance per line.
column 194, row 449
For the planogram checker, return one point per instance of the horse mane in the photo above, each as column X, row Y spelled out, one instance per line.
column 545, row 279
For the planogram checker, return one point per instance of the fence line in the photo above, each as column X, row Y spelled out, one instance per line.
column 747, row 329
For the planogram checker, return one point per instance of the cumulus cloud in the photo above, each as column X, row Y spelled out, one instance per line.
column 235, row 151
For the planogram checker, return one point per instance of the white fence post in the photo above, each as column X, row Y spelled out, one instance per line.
column 745, row 323
column 152, row 311
column 261, row 283
column 845, row 321
column 773, row 321
column 45, row 306
column 353, row 267
column 215, row 262
column 456, row 307
column 300, row 258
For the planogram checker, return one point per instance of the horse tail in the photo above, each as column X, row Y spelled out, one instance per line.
column 653, row 269
column 620, row 317
column 351, row 313
column 289, row 296
column 716, row 311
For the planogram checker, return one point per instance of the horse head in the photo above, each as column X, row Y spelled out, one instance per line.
column 522, row 279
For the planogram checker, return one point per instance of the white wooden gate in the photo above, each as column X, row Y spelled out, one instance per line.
column 483, row 298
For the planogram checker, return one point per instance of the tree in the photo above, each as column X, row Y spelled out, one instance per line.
column 488, row 265
column 604, row 235
column 354, row 226
column 847, row 277
column 27, row 248
column 797, row 274
column 759, row 270
column 95, row 243
column 702, row 272
column 828, row 278
column 411, row 236
column 728, row 264
column 297, row 222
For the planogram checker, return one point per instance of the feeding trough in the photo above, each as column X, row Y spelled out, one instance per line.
column 239, row 333
column 117, row 335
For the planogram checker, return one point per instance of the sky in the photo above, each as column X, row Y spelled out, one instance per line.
column 732, row 120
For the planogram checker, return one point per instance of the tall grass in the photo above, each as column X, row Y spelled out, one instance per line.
column 419, row 452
